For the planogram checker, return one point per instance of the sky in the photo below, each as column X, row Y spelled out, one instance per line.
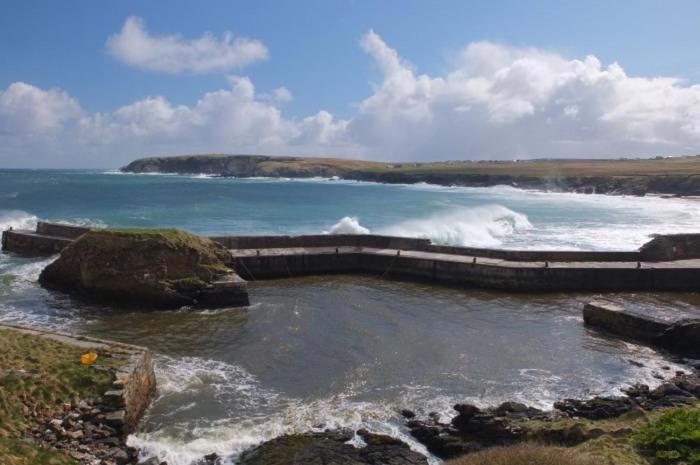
column 87, row 84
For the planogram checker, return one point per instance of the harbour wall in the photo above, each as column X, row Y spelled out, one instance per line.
column 666, row 263
column 51, row 238
column 679, row 335
column 423, row 245
column 464, row 271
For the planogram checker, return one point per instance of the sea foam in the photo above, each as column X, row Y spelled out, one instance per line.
column 483, row 226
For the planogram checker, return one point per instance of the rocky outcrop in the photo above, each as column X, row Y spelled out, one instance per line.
column 147, row 268
column 474, row 428
column 332, row 448
column 606, row 177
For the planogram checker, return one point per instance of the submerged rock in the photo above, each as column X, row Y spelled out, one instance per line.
column 163, row 268
column 597, row 408
column 332, row 448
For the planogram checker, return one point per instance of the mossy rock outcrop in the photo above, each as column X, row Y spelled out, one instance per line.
column 332, row 448
column 158, row 268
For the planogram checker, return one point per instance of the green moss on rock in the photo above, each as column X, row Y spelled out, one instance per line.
column 160, row 268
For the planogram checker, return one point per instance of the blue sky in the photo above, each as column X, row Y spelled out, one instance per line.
column 313, row 50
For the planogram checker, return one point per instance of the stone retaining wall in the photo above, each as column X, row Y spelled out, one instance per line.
column 680, row 335
column 134, row 384
column 31, row 245
column 527, row 277
column 616, row 320
column 50, row 238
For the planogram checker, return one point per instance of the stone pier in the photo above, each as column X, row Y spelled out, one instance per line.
column 677, row 332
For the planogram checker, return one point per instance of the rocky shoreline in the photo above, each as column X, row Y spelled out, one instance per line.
column 613, row 177
column 89, row 431
column 570, row 423
column 474, row 429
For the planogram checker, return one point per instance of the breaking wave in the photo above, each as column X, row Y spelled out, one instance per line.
column 251, row 413
column 347, row 225
column 16, row 219
column 484, row 226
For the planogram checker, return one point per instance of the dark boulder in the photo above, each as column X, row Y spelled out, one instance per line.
column 518, row 411
column 332, row 448
column 597, row 408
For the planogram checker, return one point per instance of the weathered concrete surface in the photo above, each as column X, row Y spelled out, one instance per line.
column 469, row 270
column 60, row 230
column 614, row 319
column 134, row 384
column 680, row 335
column 48, row 239
column 665, row 263
column 415, row 244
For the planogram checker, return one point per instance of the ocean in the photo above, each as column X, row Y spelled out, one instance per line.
column 345, row 351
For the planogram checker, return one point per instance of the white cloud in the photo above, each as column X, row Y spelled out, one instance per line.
column 495, row 102
column 28, row 110
column 279, row 95
column 507, row 102
column 134, row 46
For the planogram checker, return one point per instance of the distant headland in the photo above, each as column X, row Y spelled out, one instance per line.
column 677, row 176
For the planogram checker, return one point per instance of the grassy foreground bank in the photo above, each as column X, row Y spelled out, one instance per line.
column 37, row 377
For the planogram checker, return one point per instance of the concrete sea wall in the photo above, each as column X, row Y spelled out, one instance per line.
column 48, row 239
column 424, row 245
column 666, row 263
column 679, row 335
column 465, row 270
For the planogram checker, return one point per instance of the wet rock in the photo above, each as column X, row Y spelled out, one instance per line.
column 152, row 461
column 408, row 414
column 597, row 408
column 443, row 442
column 210, row 459
column 682, row 338
column 331, row 448
column 518, row 411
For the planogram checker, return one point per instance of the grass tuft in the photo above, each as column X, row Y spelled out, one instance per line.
column 526, row 454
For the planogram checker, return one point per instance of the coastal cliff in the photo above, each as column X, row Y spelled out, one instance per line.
column 678, row 176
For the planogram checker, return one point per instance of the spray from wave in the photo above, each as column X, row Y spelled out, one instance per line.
column 251, row 413
column 347, row 225
column 484, row 226
column 16, row 219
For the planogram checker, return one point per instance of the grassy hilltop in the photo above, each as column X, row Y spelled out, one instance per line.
column 673, row 175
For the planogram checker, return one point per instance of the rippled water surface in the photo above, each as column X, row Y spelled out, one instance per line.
column 345, row 351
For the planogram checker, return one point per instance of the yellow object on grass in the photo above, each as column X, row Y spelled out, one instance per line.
column 89, row 358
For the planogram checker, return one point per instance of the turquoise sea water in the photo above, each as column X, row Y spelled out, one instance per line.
column 317, row 352
column 494, row 217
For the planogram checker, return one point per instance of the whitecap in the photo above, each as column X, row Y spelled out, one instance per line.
column 347, row 225
column 483, row 226
column 16, row 219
